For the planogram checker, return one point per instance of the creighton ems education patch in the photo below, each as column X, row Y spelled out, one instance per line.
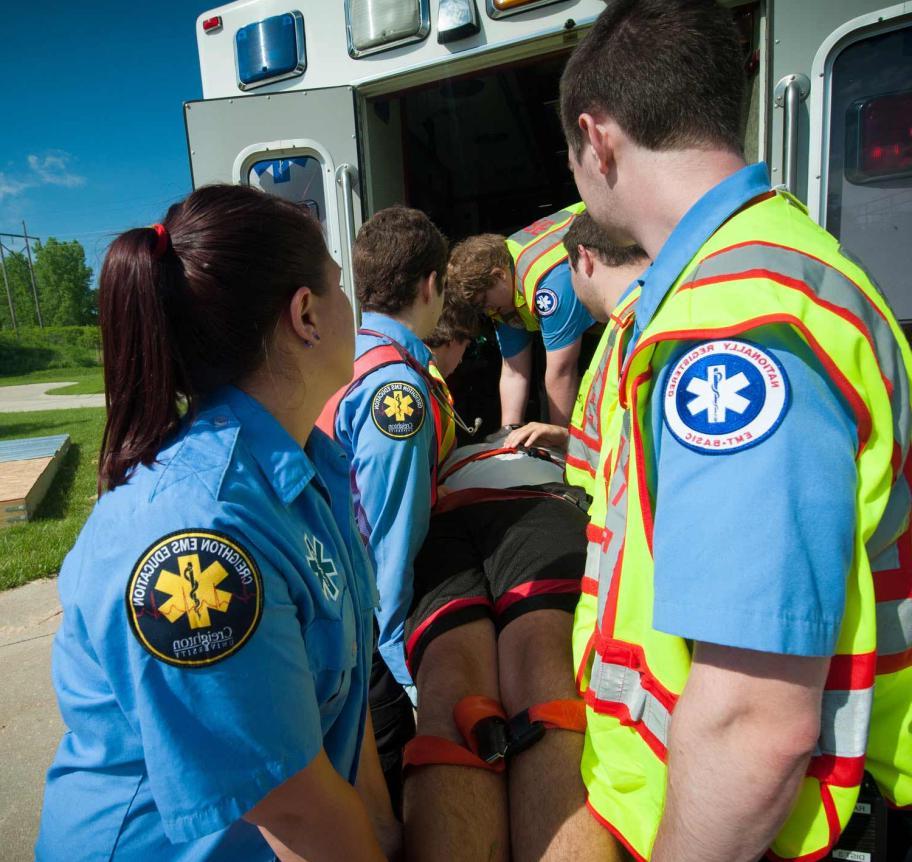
column 723, row 396
column 194, row 598
column 398, row 410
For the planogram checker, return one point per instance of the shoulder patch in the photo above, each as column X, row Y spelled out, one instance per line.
column 194, row 598
column 724, row 396
column 398, row 410
column 546, row 301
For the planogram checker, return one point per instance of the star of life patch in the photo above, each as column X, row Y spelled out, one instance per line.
column 194, row 598
column 546, row 301
column 723, row 396
column 398, row 410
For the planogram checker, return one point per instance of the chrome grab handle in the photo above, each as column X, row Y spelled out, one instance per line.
column 345, row 177
column 790, row 92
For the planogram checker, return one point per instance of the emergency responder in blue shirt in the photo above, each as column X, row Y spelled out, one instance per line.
column 386, row 420
column 212, row 666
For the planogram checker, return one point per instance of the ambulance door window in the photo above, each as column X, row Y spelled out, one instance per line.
column 298, row 179
column 869, row 194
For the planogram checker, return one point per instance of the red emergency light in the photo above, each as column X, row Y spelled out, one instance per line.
column 880, row 138
column 211, row 24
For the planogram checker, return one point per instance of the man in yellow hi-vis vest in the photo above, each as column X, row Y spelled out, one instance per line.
column 523, row 281
column 604, row 278
column 749, row 539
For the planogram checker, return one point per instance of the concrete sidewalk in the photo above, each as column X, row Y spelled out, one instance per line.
column 33, row 396
column 30, row 724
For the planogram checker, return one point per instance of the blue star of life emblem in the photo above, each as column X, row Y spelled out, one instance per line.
column 722, row 396
column 323, row 567
column 546, row 301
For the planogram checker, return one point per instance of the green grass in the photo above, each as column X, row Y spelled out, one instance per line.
column 36, row 549
column 88, row 381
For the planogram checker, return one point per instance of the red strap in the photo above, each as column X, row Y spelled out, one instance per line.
column 370, row 360
column 437, row 751
column 561, row 714
column 472, row 709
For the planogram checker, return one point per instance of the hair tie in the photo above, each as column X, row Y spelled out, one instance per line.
column 162, row 241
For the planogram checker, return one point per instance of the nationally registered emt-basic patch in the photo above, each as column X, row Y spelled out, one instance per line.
column 398, row 410
column 726, row 395
column 194, row 598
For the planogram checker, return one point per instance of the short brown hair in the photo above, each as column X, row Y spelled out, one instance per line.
column 395, row 249
column 669, row 72
column 459, row 321
column 471, row 264
column 585, row 232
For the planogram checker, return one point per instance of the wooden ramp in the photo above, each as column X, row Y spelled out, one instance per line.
column 27, row 469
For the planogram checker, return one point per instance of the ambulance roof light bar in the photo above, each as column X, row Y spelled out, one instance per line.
column 381, row 25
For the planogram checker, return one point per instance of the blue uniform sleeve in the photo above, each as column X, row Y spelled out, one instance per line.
column 754, row 495
column 511, row 339
column 392, row 472
column 218, row 738
column 562, row 317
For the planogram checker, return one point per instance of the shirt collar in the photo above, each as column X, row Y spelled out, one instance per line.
column 700, row 222
column 398, row 332
column 285, row 464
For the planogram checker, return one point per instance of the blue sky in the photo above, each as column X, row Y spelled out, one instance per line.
column 91, row 131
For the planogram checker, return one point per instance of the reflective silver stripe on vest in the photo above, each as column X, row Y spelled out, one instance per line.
column 614, row 683
column 844, row 720
column 525, row 237
column 602, row 556
column 894, row 522
column 529, row 254
column 894, row 626
column 832, row 285
column 577, row 448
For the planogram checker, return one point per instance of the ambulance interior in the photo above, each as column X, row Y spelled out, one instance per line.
column 482, row 151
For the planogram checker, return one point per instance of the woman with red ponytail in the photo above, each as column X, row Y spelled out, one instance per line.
column 212, row 666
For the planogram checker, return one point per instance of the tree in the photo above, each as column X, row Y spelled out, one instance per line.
column 64, row 284
column 21, row 288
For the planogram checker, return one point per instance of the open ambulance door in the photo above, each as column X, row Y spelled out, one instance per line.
column 301, row 146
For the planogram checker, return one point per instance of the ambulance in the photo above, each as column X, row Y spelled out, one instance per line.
column 348, row 106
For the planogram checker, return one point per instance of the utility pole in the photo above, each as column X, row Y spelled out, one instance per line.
column 9, row 295
column 28, row 250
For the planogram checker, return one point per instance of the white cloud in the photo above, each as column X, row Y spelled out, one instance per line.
column 51, row 169
column 10, row 186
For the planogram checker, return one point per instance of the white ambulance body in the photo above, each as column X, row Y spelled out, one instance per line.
column 450, row 106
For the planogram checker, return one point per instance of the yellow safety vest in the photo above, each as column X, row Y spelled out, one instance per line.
column 536, row 250
column 768, row 264
column 596, row 393
column 446, row 437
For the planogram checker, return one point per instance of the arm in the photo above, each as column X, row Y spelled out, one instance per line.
column 743, row 732
column 371, row 787
column 393, row 483
column 538, row 434
column 515, row 374
column 316, row 815
column 562, row 382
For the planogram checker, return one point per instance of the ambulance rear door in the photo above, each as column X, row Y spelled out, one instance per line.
column 300, row 145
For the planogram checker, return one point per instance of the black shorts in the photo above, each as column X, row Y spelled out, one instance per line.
column 498, row 559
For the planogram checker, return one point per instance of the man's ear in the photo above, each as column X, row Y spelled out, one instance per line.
column 586, row 263
column 598, row 141
column 302, row 313
column 427, row 288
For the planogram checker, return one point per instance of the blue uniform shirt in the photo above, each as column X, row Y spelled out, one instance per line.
column 562, row 318
column 216, row 634
column 386, row 426
column 752, row 545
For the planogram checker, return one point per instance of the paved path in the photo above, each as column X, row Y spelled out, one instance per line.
column 33, row 396
column 30, row 725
